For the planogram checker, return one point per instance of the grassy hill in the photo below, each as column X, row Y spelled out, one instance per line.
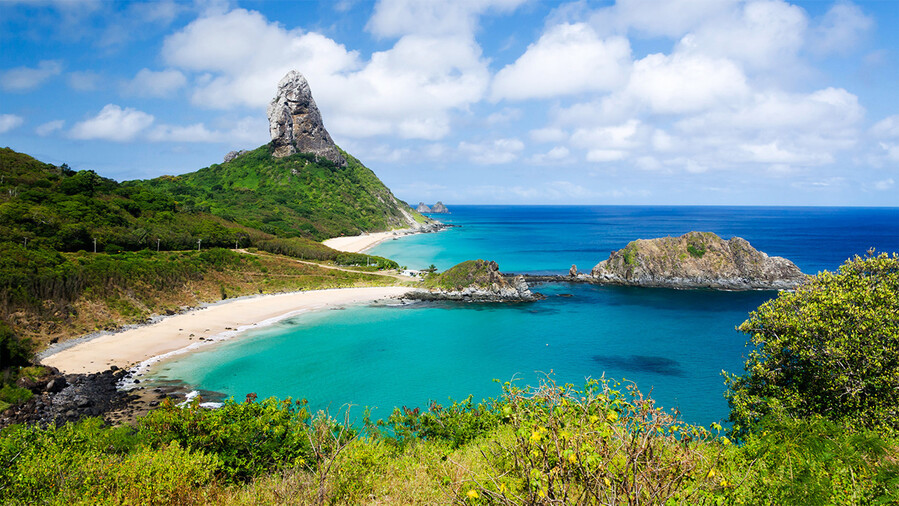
column 52, row 285
column 299, row 195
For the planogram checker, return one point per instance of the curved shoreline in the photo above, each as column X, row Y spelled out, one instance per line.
column 147, row 344
column 361, row 243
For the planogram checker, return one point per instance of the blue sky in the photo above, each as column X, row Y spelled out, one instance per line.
column 720, row 102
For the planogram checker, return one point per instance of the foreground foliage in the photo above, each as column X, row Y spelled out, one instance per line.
column 599, row 444
column 829, row 349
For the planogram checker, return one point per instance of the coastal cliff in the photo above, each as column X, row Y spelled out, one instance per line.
column 475, row 281
column 697, row 260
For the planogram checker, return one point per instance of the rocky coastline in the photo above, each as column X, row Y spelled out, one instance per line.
column 475, row 281
column 59, row 398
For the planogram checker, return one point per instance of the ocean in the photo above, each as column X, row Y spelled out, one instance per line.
column 671, row 344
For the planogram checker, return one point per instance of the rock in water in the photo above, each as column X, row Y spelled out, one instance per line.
column 296, row 124
column 475, row 281
column 422, row 208
column 439, row 208
column 697, row 260
column 573, row 271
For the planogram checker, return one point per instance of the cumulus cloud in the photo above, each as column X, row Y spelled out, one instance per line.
column 840, row 30
column 495, row 152
column 567, row 59
column 149, row 83
column 887, row 128
column 49, row 127
column 28, row 78
column 408, row 90
column 761, row 34
column 884, row 185
column 9, row 122
column 113, row 124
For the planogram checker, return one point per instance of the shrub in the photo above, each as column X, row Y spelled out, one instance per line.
column 830, row 348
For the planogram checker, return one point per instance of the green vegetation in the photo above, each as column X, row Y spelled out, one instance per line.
column 465, row 274
column 295, row 196
column 696, row 250
column 830, row 349
column 630, row 254
column 554, row 444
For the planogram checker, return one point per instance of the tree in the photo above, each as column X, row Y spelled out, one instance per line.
column 831, row 348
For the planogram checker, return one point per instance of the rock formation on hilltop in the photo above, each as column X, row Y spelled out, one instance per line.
column 697, row 260
column 296, row 124
column 475, row 281
column 439, row 208
column 422, row 208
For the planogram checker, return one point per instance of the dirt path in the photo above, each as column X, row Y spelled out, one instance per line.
column 396, row 276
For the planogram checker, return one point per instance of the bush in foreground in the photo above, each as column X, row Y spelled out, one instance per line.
column 829, row 349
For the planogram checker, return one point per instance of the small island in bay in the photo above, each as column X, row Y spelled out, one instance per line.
column 697, row 260
column 474, row 281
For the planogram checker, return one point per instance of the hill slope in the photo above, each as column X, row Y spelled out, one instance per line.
column 298, row 195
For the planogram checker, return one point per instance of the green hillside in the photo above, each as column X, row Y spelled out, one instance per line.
column 299, row 195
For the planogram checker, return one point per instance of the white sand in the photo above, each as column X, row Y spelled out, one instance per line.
column 128, row 348
column 360, row 243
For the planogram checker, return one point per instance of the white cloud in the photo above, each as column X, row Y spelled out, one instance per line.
column 885, row 184
column 408, row 90
column 249, row 130
column 887, row 127
column 9, row 122
column 149, row 83
column 609, row 143
column 27, row 78
column 395, row 18
column 840, row 30
column 49, row 127
column 761, row 34
column 658, row 18
column 556, row 156
column 684, row 83
column 113, row 124
column 567, row 59
column 505, row 115
column 494, row 152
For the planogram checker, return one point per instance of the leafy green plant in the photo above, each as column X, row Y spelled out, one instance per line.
column 827, row 349
column 696, row 250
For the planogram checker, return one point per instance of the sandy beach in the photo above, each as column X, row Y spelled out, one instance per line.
column 219, row 321
column 360, row 243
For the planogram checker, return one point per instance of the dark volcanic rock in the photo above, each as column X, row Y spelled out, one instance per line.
column 295, row 122
column 697, row 260
column 59, row 399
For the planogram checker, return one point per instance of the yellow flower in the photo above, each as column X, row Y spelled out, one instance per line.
column 472, row 494
column 612, row 416
column 606, row 481
column 725, row 441
column 712, row 473
column 724, row 482
column 572, row 458
column 593, row 418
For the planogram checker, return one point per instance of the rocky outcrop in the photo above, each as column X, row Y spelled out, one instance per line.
column 233, row 154
column 439, row 208
column 422, row 208
column 295, row 122
column 475, row 281
column 697, row 260
column 573, row 271
column 59, row 398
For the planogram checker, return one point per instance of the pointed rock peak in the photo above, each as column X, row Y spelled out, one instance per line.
column 296, row 124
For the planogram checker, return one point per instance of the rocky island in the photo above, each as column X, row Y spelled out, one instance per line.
column 439, row 208
column 475, row 281
column 697, row 260
column 423, row 208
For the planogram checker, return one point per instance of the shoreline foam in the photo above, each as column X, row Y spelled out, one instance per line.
column 138, row 348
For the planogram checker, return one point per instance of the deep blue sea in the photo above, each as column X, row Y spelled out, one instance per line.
column 670, row 343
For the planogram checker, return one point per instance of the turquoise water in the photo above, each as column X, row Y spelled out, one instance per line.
column 672, row 343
